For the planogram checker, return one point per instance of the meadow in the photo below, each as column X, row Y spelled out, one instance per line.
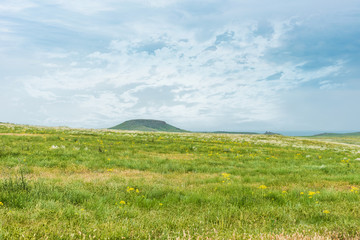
column 63, row 183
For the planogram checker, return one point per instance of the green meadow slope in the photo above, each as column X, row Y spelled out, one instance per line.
column 63, row 183
column 354, row 134
column 347, row 138
column 147, row 125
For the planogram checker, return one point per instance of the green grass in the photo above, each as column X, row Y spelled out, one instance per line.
column 62, row 183
column 353, row 134
column 340, row 138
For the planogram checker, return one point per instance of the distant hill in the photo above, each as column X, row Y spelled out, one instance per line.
column 226, row 132
column 147, row 125
column 354, row 134
column 271, row 133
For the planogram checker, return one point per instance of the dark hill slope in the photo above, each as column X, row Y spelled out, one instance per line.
column 147, row 125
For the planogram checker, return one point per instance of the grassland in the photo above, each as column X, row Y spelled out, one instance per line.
column 345, row 138
column 61, row 183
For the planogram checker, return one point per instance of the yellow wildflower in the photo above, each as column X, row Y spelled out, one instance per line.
column 326, row 211
column 226, row 175
column 129, row 189
column 1, row 204
column 354, row 189
column 122, row 202
column 262, row 187
column 301, row 193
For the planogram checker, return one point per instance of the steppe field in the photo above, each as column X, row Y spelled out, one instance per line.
column 63, row 183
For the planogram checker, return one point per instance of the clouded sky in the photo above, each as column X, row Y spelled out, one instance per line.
column 234, row 65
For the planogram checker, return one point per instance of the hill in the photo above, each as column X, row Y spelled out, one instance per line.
column 226, row 132
column 337, row 134
column 147, row 125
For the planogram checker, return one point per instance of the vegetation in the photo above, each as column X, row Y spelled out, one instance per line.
column 226, row 132
column 355, row 134
column 347, row 138
column 147, row 125
column 62, row 183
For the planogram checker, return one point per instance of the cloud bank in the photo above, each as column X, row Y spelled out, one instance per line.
column 201, row 66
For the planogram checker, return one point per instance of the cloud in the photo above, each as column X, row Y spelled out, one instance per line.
column 87, row 7
column 226, row 76
column 7, row 6
column 203, row 63
column 329, row 85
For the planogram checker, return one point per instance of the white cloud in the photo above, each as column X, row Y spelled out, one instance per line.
column 88, row 7
column 37, row 93
column 330, row 85
column 7, row 6
column 209, row 79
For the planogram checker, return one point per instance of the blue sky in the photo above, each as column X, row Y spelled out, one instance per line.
column 199, row 65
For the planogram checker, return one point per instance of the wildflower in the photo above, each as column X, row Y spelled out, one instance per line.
column 226, row 175
column 326, row 211
column 311, row 193
column 1, row 204
column 122, row 202
column 137, row 190
column 109, row 170
column 129, row 189
column 284, row 192
column 160, row 204
column 354, row 189
column 262, row 187
column 302, row 193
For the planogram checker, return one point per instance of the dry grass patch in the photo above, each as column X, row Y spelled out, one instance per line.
column 22, row 134
column 86, row 175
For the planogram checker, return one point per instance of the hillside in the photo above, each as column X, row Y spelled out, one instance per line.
column 348, row 138
column 147, row 125
column 337, row 134
column 226, row 132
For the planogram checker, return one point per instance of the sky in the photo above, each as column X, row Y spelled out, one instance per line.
column 232, row 65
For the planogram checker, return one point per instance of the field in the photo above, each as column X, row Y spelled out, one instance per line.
column 62, row 183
